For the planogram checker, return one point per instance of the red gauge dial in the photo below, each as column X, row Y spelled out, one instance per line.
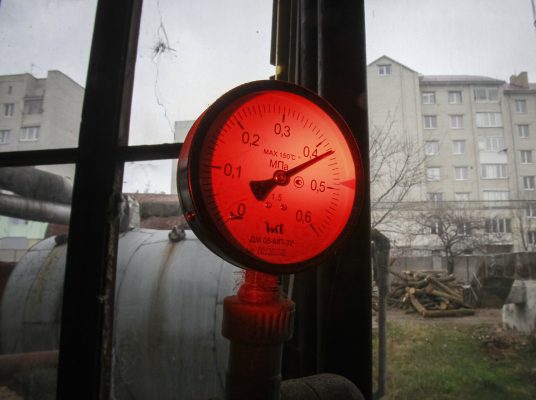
column 270, row 177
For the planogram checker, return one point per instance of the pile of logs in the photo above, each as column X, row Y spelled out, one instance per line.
column 430, row 293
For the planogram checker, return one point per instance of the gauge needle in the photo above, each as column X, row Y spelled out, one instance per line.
column 262, row 188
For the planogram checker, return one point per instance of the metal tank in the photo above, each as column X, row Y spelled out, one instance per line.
column 167, row 334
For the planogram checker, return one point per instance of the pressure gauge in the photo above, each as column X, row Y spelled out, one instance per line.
column 270, row 178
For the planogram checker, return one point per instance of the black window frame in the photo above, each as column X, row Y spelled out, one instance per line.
column 85, row 357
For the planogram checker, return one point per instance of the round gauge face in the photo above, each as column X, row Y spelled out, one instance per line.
column 270, row 177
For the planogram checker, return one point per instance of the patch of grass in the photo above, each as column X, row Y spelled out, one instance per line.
column 440, row 361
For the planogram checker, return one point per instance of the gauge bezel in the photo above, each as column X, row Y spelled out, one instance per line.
column 189, row 181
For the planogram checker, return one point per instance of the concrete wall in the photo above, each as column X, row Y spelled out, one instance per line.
column 520, row 311
column 519, row 266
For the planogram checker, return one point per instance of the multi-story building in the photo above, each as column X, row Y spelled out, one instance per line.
column 179, row 134
column 36, row 114
column 475, row 138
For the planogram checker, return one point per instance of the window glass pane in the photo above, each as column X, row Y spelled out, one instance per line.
column 169, row 294
column 44, row 48
column 191, row 53
column 35, row 206
column 431, row 148
column 458, row 146
column 43, row 72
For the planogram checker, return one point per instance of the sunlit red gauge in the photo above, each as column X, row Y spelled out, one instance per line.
column 270, row 177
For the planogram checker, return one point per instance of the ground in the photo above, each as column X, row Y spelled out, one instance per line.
column 482, row 316
column 464, row 358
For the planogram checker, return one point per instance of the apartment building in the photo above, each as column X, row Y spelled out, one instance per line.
column 476, row 137
column 36, row 113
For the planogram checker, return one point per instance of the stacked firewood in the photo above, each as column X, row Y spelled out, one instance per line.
column 430, row 293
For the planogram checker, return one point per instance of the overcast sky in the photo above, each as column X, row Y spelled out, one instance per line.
column 209, row 46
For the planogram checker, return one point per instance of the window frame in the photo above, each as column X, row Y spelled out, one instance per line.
column 520, row 106
column 9, row 110
column 431, row 145
column 490, row 122
column 462, row 196
column 5, row 136
column 435, row 176
column 464, row 176
column 531, row 237
column 498, row 225
column 525, row 156
column 455, row 147
column 435, row 197
column 455, row 120
column 523, row 131
column 457, row 94
column 429, row 118
column 88, row 300
column 33, row 106
column 493, row 144
column 487, row 192
column 385, row 69
column 29, row 133
column 531, row 210
column 529, row 182
column 487, row 98
column 501, row 169
column 429, row 96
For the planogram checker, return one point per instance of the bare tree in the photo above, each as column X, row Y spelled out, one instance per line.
column 396, row 166
column 457, row 229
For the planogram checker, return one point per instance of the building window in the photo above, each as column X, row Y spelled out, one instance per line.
column 458, row 147
column 531, row 210
column 529, row 183
column 33, row 106
column 523, row 131
column 461, row 196
column 488, row 120
column 29, row 134
column 521, row 106
column 492, row 143
column 526, row 156
column 461, row 173
column 433, row 173
column 436, row 228
column 455, row 97
column 5, row 136
column 531, row 237
column 384, row 69
column 498, row 225
column 486, row 95
column 9, row 108
column 430, row 121
column 456, row 121
column 463, row 228
column 435, row 196
column 431, row 147
column 496, row 195
column 494, row 171
column 428, row 98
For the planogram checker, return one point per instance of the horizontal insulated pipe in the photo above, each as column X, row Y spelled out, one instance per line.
column 36, row 184
column 12, row 364
column 35, row 210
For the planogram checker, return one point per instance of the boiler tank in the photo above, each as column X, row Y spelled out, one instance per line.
column 169, row 307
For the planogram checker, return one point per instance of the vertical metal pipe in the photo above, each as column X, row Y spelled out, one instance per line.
column 308, row 44
column 257, row 321
column 345, row 285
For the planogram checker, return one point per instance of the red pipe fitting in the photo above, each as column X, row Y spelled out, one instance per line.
column 257, row 322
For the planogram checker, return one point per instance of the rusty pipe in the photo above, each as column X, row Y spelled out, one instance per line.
column 12, row 364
